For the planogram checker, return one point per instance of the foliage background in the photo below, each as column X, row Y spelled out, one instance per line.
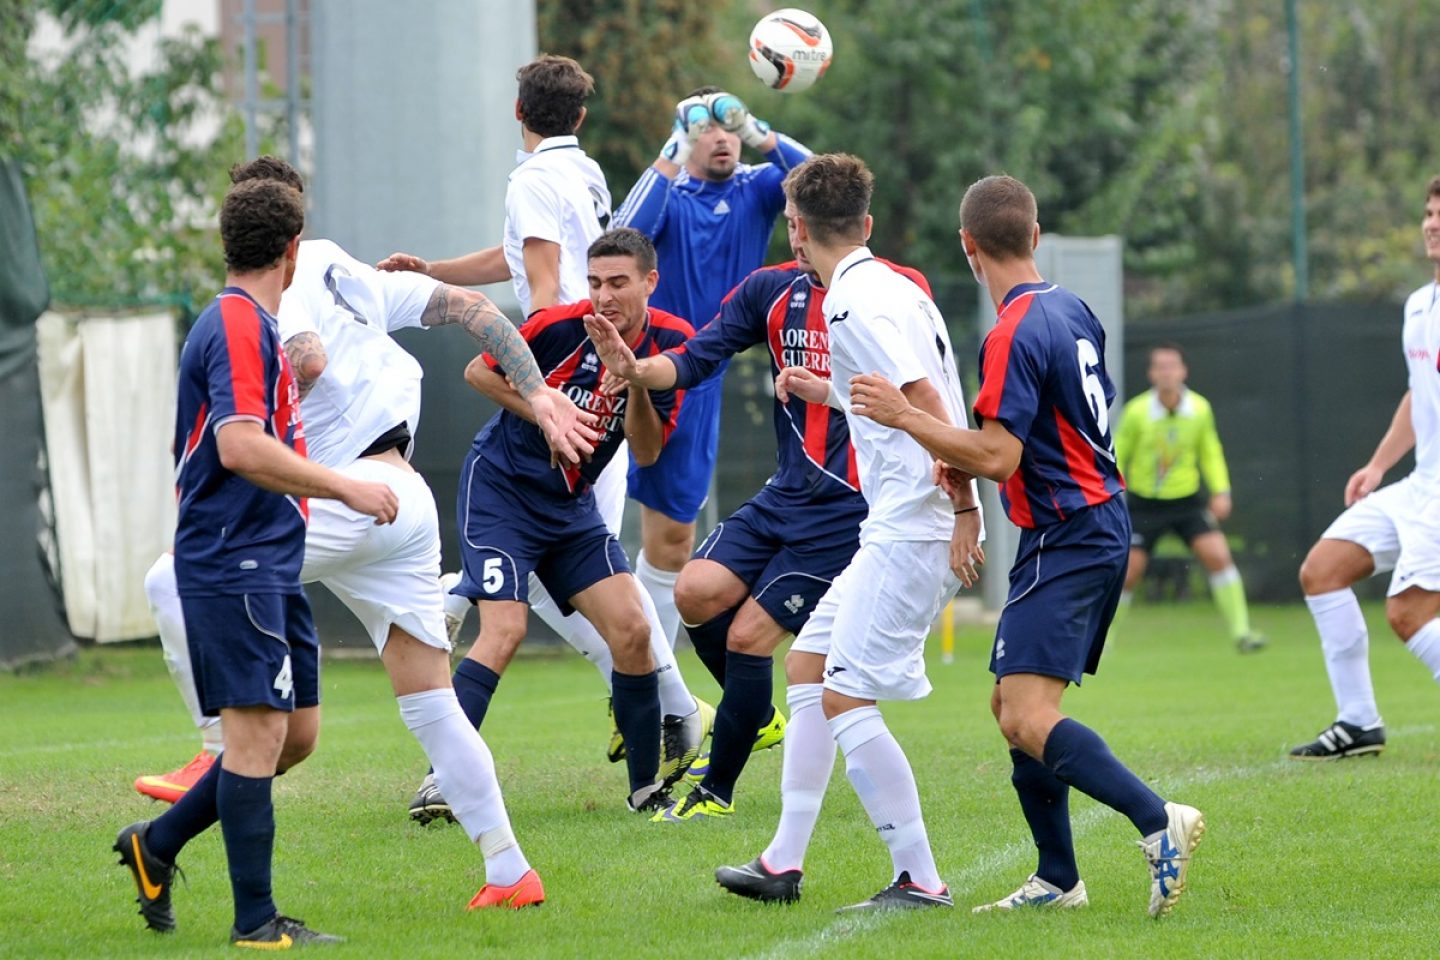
column 1160, row 120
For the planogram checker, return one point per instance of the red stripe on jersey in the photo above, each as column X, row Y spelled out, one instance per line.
column 242, row 322
column 542, row 319
column 667, row 427
column 997, row 357
column 852, row 470
column 1080, row 459
column 817, row 415
column 1020, row 514
column 197, row 433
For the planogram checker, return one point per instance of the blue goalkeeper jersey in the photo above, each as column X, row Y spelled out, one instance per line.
column 709, row 236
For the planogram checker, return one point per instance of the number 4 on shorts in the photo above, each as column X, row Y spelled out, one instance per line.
column 284, row 684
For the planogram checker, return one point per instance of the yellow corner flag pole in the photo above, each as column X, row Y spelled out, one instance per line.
column 947, row 634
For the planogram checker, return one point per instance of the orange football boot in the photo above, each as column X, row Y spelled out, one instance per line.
column 525, row 892
column 173, row 785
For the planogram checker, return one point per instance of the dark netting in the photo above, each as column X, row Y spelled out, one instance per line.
column 1301, row 394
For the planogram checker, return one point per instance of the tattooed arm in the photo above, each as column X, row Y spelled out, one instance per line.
column 567, row 428
column 488, row 327
column 307, row 359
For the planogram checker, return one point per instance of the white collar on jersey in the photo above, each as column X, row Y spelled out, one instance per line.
column 1158, row 410
column 856, row 256
column 549, row 143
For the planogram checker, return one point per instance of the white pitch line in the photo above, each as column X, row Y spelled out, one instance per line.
column 991, row 862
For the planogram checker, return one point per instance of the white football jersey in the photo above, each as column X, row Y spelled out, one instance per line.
column 1422, row 353
column 370, row 383
column 558, row 194
column 881, row 322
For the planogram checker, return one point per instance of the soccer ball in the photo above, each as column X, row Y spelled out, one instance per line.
column 789, row 50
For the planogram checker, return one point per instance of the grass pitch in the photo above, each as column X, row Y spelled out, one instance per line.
column 1301, row 860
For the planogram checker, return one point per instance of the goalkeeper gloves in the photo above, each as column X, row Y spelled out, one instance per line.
column 692, row 118
column 731, row 113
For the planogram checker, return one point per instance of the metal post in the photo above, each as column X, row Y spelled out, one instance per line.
column 252, row 81
column 292, row 80
column 1297, row 161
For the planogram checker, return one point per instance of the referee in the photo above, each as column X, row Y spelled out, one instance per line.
column 1167, row 444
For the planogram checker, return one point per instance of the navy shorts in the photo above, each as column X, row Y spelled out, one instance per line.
column 253, row 650
column 787, row 549
column 1064, row 588
column 509, row 530
column 678, row 483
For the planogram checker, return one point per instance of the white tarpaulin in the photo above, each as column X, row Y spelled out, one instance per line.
column 108, row 389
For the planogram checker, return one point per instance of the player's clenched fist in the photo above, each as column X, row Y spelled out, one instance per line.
column 871, row 395
column 801, row 384
column 372, row 499
column 404, row 262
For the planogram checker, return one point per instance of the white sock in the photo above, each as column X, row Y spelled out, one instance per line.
column 809, row 758
column 574, row 630
column 660, row 584
column 1126, row 597
column 465, row 772
column 164, row 600
column 675, row 698
column 1426, row 646
column 1345, row 641
column 882, row 778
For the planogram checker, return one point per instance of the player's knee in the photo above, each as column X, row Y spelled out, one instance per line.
column 695, row 599
column 801, row 667
column 1405, row 619
column 995, row 702
column 751, row 640
column 294, row 751
column 1019, row 731
column 629, row 638
column 1317, row 577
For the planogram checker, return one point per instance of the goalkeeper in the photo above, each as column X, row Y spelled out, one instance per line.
column 1166, row 444
column 710, row 217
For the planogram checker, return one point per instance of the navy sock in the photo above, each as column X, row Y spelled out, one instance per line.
column 191, row 816
column 247, row 819
column 744, row 706
column 709, row 641
column 1045, row 801
column 1080, row 758
column 475, row 684
column 637, row 717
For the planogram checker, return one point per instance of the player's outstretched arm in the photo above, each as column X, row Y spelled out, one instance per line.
column 801, row 384
column 473, row 269
column 307, row 359
column 246, row 449
column 1399, row 439
column 991, row 452
column 652, row 373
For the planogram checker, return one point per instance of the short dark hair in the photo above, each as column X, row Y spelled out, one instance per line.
column 1434, row 189
column 832, row 192
column 553, row 91
column 704, row 91
column 268, row 167
column 1173, row 347
column 624, row 242
column 999, row 213
column 258, row 220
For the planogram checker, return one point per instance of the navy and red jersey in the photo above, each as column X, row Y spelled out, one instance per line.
column 233, row 537
column 1042, row 376
column 780, row 306
column 567, row 358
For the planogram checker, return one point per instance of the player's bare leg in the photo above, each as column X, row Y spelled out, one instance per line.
column 464, row 768
column 1213, row 552
column 1330, row 570
column 707, row 596
column 1031, row 721
column 1412, row 614
column 613, row 606
column 666, row 545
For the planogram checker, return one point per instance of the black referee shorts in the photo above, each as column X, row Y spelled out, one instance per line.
column 1150, row 519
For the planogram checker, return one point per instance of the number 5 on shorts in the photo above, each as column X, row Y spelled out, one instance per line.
column 492, row 577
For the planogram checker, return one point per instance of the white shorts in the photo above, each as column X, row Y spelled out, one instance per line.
column 1399, row 525
column 386, row 574
column 872, row 623
column 610, row 488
